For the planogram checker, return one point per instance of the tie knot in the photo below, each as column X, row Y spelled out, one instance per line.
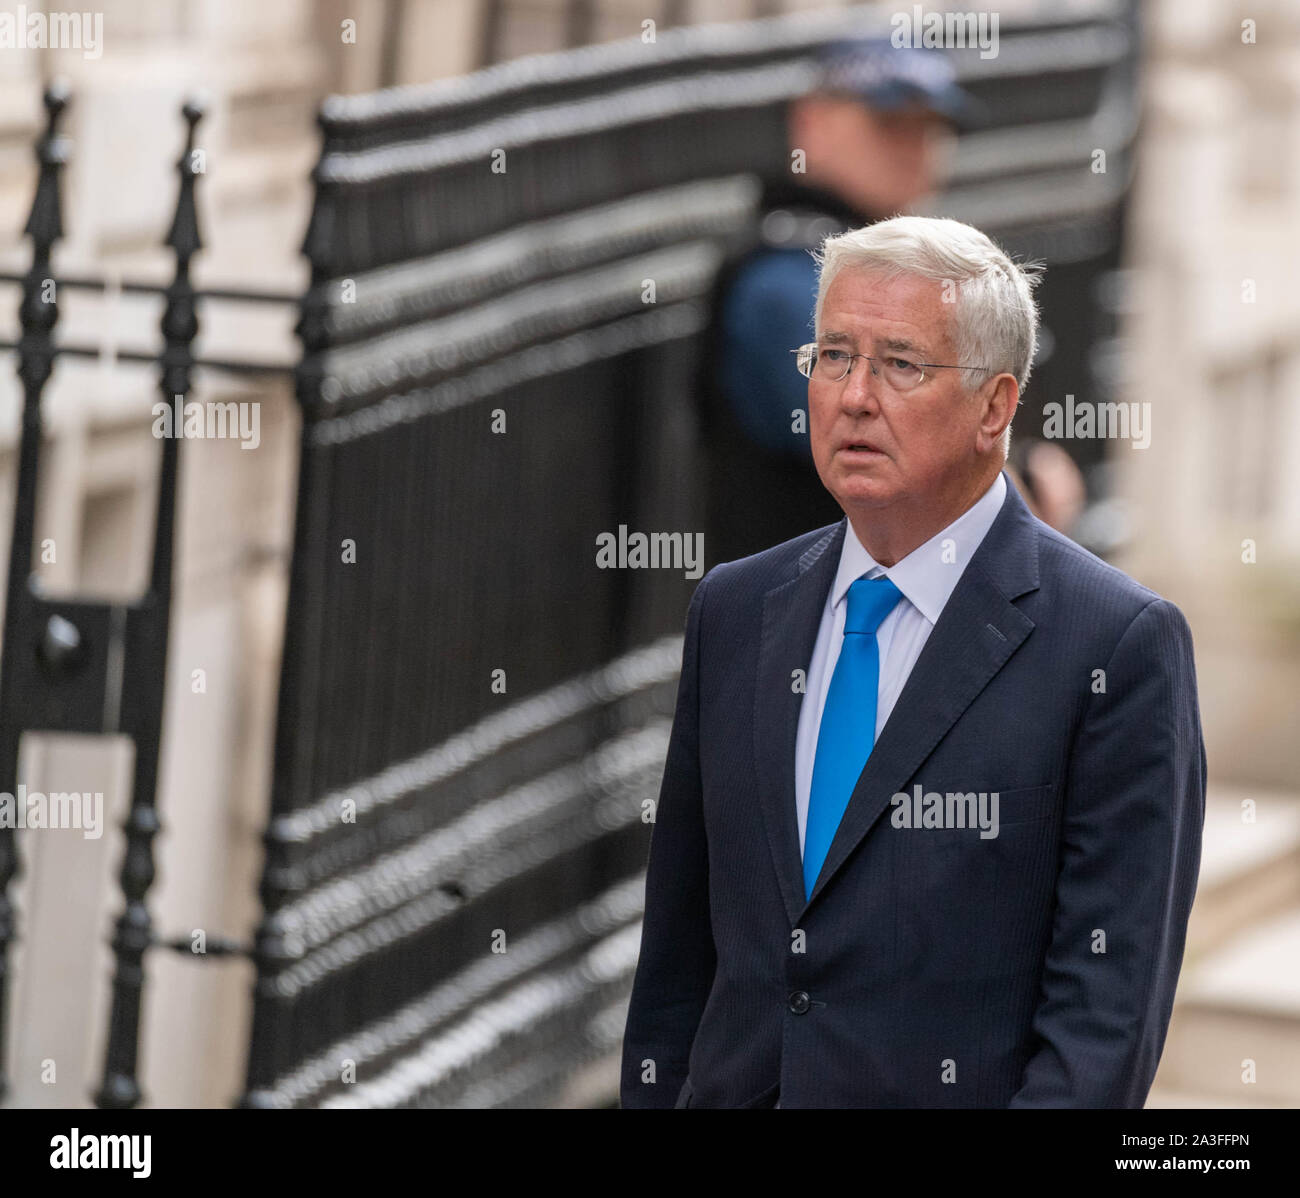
column 870, row 601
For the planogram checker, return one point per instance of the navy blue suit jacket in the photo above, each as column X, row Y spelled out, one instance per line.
column 930, row 967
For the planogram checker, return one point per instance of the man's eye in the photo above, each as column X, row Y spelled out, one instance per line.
column 831, row 355
column 903, row 364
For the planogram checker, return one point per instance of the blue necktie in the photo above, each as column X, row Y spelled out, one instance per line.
column 848, row 728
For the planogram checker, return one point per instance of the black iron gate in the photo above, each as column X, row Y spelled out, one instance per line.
column 87, row 666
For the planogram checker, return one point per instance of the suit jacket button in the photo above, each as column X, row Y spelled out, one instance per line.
column 800, row 1002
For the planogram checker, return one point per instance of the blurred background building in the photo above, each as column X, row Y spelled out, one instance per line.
column 1197, row 319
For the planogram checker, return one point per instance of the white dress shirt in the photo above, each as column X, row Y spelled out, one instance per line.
column 926, row 577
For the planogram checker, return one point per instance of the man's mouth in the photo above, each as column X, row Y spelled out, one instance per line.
column 859, row 447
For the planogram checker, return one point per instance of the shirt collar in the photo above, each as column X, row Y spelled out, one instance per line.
column 927, row 575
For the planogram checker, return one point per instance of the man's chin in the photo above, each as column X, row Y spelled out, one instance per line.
column 864, row 493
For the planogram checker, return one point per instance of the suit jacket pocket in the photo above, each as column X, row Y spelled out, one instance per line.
column 1025, row 803
column 955, row 807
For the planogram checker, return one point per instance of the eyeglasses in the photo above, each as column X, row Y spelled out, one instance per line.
column 899, row 371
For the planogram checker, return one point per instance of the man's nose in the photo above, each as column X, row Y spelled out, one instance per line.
column 862, row 387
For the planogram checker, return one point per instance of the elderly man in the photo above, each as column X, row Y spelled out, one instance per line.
column 930, row 822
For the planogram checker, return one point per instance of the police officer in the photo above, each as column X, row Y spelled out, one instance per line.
column 868, row 141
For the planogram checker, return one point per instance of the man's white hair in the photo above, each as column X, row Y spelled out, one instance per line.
column 995, row 318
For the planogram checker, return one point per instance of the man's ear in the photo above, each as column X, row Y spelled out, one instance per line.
column 801, row 113
column 999, row 397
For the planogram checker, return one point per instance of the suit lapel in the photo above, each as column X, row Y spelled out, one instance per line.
column 792, row 615
column 977, row 632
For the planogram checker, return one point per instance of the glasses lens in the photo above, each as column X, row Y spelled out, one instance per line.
column 902, row 373
column 832, row 365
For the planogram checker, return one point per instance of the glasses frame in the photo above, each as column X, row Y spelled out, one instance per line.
column 812, row 346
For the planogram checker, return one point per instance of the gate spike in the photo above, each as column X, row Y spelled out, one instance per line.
column 184, row 236
column 45, row 223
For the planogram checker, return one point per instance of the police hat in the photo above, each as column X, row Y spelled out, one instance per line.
column 888, row 77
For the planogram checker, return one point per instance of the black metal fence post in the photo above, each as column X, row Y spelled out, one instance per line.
column 274, row 946
column 146, row 647
column 38, row 314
